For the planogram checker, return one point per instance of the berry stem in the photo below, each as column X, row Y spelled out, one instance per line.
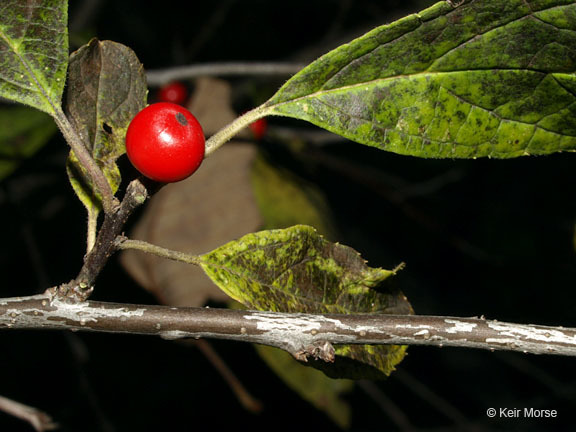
column 225, row 134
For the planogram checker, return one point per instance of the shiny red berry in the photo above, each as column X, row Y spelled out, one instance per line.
column 174, row 92
column 259, row 128
column 165, row 142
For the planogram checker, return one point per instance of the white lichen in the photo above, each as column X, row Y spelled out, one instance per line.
column 459, row 326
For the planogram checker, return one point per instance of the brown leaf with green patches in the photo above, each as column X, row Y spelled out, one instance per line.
column 107, row 88
column 297, row 270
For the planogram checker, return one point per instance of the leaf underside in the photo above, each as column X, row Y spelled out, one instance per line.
column 297, row 270
column 107, row 88
column 487, row 78
column 34, row 52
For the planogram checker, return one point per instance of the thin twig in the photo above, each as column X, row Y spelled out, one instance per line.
column 302, row 335
column 159, row 77
column 38, row 419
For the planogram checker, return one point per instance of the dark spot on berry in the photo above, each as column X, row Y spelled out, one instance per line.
column 181, row 119
column 107, row 128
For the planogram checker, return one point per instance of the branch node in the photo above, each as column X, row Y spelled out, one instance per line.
column 71, row 292
column 320, row 349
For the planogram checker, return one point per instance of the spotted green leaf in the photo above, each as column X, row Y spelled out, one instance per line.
column 106, row 90
column 34, row 52
column 484, row 78
column 297, row 270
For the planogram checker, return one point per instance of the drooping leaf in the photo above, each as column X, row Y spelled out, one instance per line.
column 312, row 385
column 297, row 270
column 23, row 131
column 107, row 88
column 485, row 78
column 34, row 52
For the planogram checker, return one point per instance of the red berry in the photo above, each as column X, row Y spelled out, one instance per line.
column 259, row 128
column 174, row 92
column 165, row 142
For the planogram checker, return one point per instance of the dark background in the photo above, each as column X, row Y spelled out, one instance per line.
column 484, row 237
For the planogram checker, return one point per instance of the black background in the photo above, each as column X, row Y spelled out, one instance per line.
column 483, row 237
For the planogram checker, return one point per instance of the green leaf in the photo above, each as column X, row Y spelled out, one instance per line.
column 34, row 52
column 313, row 386
column 23, row 131
column 107, row 88
column 487, row 78
column 297, row 270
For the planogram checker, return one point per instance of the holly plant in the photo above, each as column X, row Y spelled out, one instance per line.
column 460, row 80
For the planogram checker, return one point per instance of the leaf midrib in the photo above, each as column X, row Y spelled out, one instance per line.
column 374, row 82
column 395, row 77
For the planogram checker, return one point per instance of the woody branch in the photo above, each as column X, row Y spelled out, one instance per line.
column 302, row 335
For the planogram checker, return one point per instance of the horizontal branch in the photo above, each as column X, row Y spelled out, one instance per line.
column 159, row 77
column 300, row 334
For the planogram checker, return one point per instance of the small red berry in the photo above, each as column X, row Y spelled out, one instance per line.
column 259, row 128
column 165, row 142
column 174, row 92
